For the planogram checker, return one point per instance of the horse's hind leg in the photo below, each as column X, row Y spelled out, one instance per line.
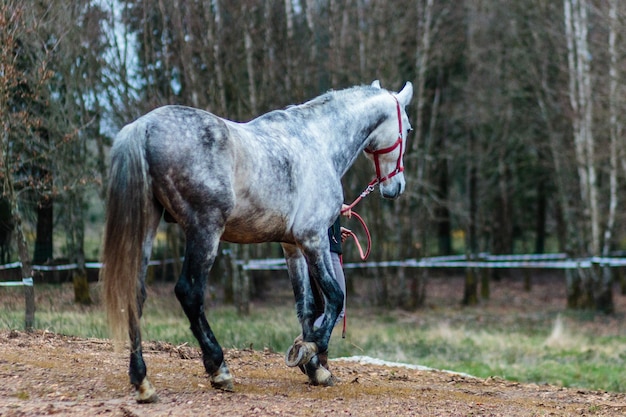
column 199, row 256
column 145, row 392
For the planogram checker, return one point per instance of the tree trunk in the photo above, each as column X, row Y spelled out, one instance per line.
column 442, row 211
column 76, row 247
column 6, row 228
column 24, row 255
column 604, row 292
column 45, row 223
column 574, row 293
column 470, row 294
column 242, row 280
column 214, row 39
column 288, row 47
column 418, row 285
column 470, row 291
column 230, row 271
column 249, row 48
column 485, row 287
column 81, row 286
column 27, row 277
column 269, row 75
column 333, row 40
column 540, row 225
column 189, row 81
column 580, row 96
column 362, row 40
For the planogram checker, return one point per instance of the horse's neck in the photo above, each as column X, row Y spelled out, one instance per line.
column 354, row 136
column 338, row 130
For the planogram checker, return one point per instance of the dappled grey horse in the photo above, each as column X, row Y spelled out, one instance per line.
column 276, row 178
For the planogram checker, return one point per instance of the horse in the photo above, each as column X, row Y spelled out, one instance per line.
column 276, row 178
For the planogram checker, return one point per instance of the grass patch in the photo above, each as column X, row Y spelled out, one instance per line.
column 551, row 352
column 569, row 349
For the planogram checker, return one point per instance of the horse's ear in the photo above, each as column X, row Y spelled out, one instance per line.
column 376, row 84
column 405, row 95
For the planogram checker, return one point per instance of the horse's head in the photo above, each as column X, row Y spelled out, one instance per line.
column 388, row 144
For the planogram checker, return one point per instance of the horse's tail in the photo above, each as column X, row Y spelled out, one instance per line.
column 126, row 218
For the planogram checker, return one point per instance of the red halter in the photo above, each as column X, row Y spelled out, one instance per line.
column 399, row 166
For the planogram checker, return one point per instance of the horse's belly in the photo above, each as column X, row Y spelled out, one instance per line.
column 255, row 230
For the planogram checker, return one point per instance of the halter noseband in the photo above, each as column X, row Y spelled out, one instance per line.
column 398, row 143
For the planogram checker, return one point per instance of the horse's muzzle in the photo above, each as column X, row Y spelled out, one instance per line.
column 392, row 191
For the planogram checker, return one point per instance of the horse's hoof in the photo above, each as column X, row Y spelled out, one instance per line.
column 223, row 383
column 323, row 377
column 146, row 393
column 300, row 353
column 222, row 379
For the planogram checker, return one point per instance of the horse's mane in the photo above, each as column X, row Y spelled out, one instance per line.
column 356, row 94
column 333, row 95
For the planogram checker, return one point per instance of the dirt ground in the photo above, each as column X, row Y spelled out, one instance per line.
column 42, row 373
column 47, row 374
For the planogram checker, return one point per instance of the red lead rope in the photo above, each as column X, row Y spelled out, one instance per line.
column 356, row 239
column 370, row 187
column 363, row 257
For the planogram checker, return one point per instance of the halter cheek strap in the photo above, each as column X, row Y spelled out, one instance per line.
column 398, row 143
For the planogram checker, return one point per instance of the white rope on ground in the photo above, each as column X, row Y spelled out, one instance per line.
column 366, row 360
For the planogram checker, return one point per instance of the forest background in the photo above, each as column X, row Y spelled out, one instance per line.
column 518, row 145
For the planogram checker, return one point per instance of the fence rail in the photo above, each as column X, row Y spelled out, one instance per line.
column 532, row 261
column 482, row 260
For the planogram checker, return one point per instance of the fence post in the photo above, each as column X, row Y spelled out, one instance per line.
column 527, row 280
column 241, row 276
column 485, row 276
column 29, row 298
column 621, row 279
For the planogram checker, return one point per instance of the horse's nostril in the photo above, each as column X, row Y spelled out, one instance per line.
column 392, row 192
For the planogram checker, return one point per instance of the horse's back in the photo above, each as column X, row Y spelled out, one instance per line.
column 184, row 125
column 179, row 132
column 254, row 177
column 190, row 158
column 204, row 167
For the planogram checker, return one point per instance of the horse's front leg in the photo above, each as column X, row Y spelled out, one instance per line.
column 304, row 352
column 190, row 288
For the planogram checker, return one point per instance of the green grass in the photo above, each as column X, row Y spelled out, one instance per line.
column 567, row 348
column 544, row 353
